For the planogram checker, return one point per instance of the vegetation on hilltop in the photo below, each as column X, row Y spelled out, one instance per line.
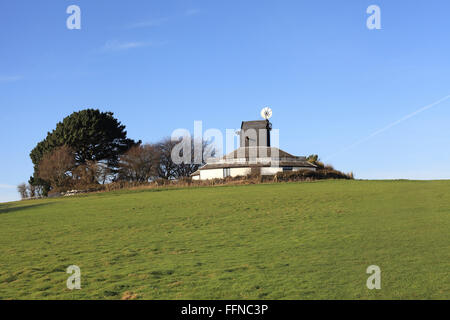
column 90, row 148
column 90, row 151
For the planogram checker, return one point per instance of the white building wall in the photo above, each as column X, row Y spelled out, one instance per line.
column 269, row 171
column 235, row 172
column 211, row 174
column 302, row 168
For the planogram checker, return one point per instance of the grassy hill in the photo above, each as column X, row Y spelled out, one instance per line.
column 274, row 241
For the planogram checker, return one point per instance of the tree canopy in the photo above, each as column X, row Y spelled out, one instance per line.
column 92, row 135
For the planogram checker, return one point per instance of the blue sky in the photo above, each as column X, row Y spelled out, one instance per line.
column 160, row 65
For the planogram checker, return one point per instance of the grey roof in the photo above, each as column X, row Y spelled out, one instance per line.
column 304, row 164
column 257, row 157
column 259, row 152
column 255, row 124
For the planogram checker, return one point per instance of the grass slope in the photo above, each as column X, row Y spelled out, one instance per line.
column 273, row 241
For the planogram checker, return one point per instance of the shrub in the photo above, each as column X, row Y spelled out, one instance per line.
column 308, row 175
column 56, row 167
column 23, row 191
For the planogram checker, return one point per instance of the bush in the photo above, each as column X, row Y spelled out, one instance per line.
column 291, row 176
column 55, row 167
column 23, row 191
column 308, row 175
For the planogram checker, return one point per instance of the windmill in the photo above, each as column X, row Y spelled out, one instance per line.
column 266, row 113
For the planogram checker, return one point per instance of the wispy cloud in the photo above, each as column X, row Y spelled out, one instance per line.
column 147, row 23
column 192, row 12
column 413, row 114
column 7, row 186
column 10, row 78
column 115, row 45
column 155, row 22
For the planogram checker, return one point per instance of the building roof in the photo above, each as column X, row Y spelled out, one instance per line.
column 245, row 157
column 260, row 152
column 304, row 164
column 255, row 124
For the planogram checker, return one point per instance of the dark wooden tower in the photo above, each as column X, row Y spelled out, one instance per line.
column 255, row 133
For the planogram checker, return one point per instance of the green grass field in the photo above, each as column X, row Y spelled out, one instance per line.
column 273, row 241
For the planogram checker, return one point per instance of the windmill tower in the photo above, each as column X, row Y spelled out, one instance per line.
column 255, row 154
column 257, row 133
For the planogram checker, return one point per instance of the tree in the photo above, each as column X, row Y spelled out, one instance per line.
column 56, row 167
column 91, row 134
column 139, row 164
column 87, row 174
column 314, row 159
column 40, row 186
column 168, row 169
column 105, row 173
column 23, row 191
column 31, row 191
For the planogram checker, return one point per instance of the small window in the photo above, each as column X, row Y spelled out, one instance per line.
column 287, row 168
column 226, row 172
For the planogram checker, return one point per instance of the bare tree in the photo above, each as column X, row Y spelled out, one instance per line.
column 87, row 174
column 139, row 164
column 105, row 173
column 23, row 191
column 38, row 190
column 31, row 191
column 56, row 167
column 168, row 169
